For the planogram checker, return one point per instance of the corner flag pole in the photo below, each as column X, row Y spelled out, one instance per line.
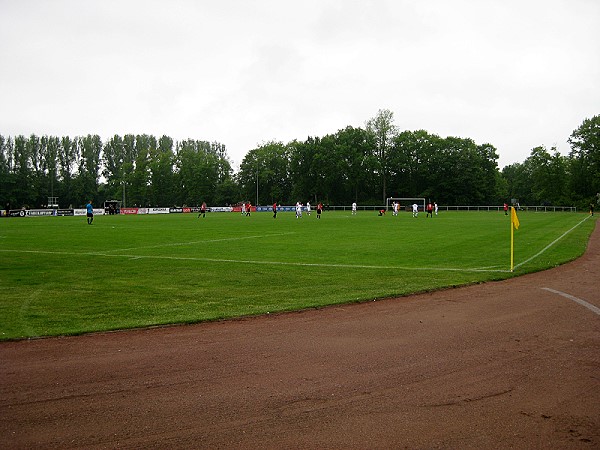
column 512, row 244
column 514, row 224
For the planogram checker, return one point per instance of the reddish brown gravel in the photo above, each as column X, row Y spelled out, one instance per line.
column 499, row 365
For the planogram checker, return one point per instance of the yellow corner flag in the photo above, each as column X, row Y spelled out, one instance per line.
column 514, row 225
column 513, row 218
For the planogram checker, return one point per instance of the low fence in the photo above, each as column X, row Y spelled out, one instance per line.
column 461, row 208
column 501, row 208
column 282, row 208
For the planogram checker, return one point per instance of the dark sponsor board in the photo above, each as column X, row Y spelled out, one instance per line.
column 279, row 208
column 185, row 209
column 31, row 212
column 156, row 211
column 40, row 212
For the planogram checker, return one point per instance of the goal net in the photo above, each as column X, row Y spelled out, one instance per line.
column 405, row 203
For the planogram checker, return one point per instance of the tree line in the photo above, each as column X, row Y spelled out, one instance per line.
column 364, row 165
column 138, row 170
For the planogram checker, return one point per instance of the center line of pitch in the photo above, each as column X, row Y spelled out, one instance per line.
column 251, row 261
column 179, row 244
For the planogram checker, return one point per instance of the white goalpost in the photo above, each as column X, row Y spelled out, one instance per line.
column 405, row 202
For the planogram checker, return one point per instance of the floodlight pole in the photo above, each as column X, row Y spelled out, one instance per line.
column 123, row 182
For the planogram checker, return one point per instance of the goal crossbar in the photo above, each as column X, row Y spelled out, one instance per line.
column 405, row 201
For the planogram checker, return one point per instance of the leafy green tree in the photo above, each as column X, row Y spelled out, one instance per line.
column 227, row 193
column 247, row 177
column 140, row 178
column 547, row 176
column 87, row 179
column 336, row 168
column 451, row 170
column 541, row 179
column 383, row 131
column 329, row 179
column 199, row 168
column 474, row 175
column 318, row 173
column 585, row 164
column 42, row 153
column 416, row 157
column 303, row 170
column 271, row 165
column 559, row 173
column 462, row 177
column 517, row 178
column 113, row 156
column 501, row 189
column 23, row 187
column 7, row 176
column 127, row 168
column 162, row 159
column 35, row 155
column 50, row 146
column 485, row 167
column 355, row 151
column 68, row 155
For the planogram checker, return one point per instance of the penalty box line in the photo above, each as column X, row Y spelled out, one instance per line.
column 250, row 261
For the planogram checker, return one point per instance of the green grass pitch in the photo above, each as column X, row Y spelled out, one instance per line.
column 59, row 276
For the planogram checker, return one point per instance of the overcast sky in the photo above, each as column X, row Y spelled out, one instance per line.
column 513, row 73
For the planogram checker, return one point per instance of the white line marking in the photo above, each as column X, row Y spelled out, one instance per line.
column 551, row 244
column 178, row 244
column 575, row 299
column 250, row 261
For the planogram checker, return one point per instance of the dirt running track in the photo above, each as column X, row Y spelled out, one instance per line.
column 501, row 365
